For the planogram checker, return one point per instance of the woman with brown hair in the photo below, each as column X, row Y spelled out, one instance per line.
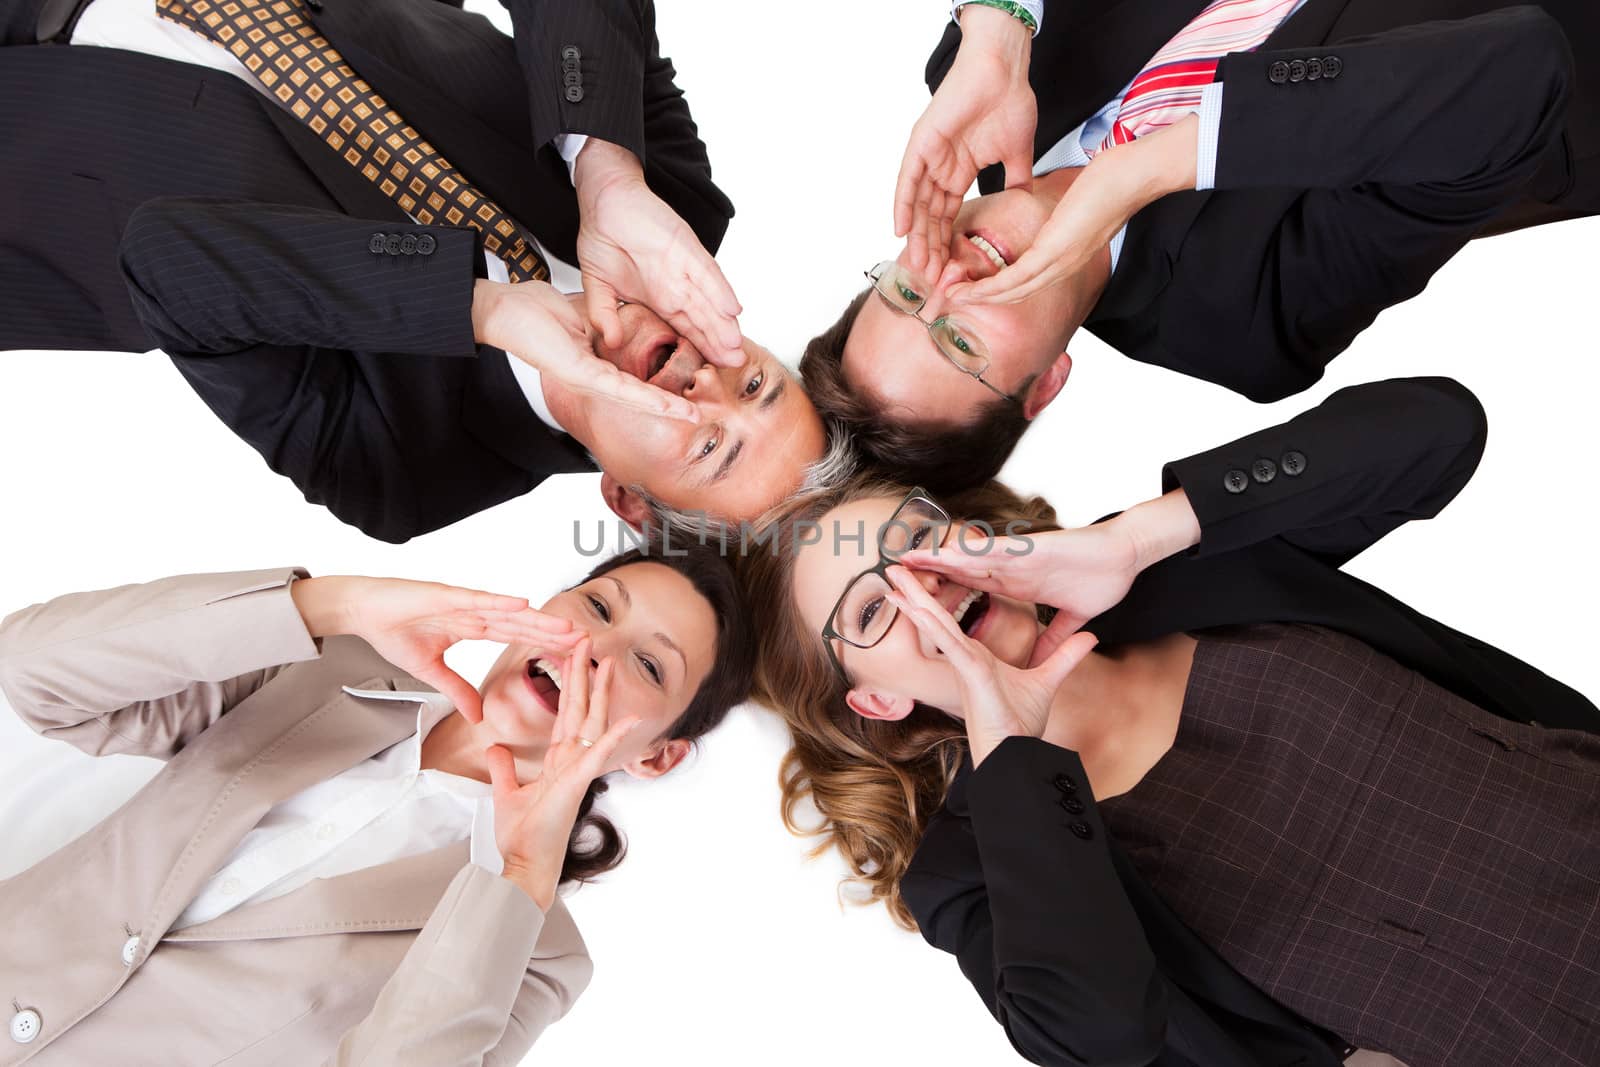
column 1276, row 813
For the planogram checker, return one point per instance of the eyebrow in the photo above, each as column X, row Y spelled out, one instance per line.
column 665, row 640
column 622, row 590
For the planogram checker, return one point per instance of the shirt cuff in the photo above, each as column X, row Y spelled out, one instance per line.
column 1205, row 164
column 569, row 145
column 483, row 851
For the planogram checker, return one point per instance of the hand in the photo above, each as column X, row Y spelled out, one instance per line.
column 412, row 624
column 1081, row 573
column 984, row 112
column 997, row 699
column 536, row 324
column 1118, row 184
column 533, row 822
column 633, row 247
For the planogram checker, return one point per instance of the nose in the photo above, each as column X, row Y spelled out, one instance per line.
column 706, row 385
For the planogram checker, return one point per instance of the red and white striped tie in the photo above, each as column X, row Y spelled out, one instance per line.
column 1170, row 85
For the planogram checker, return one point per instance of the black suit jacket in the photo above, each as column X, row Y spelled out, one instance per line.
column 326, row 357
column 1072, row 951
column 1335, row 197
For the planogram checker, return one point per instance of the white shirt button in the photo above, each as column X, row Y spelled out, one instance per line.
column 230, row 887
column 25, row 1026
column 130, row 949
column 326, row 831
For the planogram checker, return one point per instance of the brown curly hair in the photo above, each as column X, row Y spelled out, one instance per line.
column 874, row 784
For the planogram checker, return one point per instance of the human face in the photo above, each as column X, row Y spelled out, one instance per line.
column 756, row 436
column 890, row 360
column 660, row 633
column 903, row 668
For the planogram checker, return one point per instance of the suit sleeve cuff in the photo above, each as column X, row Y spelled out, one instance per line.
column 1205, row 170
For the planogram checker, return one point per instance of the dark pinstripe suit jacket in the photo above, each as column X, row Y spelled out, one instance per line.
column 1016, row 876
column 326, row 358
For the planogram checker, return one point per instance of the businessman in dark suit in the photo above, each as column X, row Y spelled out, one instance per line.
column 1317, row 178
column 328, row 267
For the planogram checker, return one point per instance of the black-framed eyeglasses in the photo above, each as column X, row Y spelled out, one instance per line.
column 958, row 343
column 863, row 614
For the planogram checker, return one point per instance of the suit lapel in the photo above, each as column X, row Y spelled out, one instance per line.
column 391, row 896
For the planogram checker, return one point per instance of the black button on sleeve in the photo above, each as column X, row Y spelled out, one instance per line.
column 1236, row 481
column 391, row 244
column 1278, row 73
column 1332, row 66
column 571, row 54
column 426, row 244
column 1072, row 805
column 375, row 244
column 1263, row 470
column 1313, row 69
column 1065, row 783
column 1080, row 829
column 1297, row 70
column 575, row 94
column 1293, row 463
column 408, row 245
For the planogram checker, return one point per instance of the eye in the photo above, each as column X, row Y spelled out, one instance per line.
column 599, row 607
column 920, row 536
column 869, row 611
column 710, row 446
column 754, row 385
column 651, row 668
column 960, row 343
column 908, row 294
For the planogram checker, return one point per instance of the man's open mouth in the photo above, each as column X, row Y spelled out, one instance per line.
column 987, row 247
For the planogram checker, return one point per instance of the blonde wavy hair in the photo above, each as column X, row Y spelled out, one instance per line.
column 874, row 784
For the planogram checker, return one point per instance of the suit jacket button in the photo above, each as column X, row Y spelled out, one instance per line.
column 571, row 54
column 574, row 94
column 25, row 1026
column 571, row 78
column 1072, row 804
column 1263, row 470
column 1065, row 783
column 1297, row 70
column 1293, row 463
column 426, row 244
column 1080, row 829
column 391, row 244
column 1236, row 481
column 375, row 244
column 1278, row 73
column 408, row 245
column 568, row 66
column 1332, row 66
column 1313, row 69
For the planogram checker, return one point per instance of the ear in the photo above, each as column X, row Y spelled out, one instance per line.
column 1046, row 386
column 629, row 506
column 871, row 704
column 658, row 761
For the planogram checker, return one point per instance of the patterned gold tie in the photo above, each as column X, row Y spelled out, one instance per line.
column 283, row 50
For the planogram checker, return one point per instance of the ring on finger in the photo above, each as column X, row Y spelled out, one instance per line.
column 585, row 742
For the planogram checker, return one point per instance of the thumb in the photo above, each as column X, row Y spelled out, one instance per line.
column 1019, row 170
column 1061, row 628
column 1066, row 658
column 601, row 302
column 502, row 772
column 455, row 688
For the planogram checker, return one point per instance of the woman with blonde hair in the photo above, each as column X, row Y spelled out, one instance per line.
column 1274, row 815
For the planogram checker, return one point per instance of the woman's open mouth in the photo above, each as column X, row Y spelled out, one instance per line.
column 971, row 611
column 544, row 681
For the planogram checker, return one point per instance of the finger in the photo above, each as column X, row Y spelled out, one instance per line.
column 567, row 718
column 601, row 301
column 576, row 679
column 976, row 571
column 453, row 688
column 595, row 760
column 502, row 772
column 912, row 170
column 511, row 634
column 641, row 396
column 1063, row 626
column 921, row 601
column 1019, row 171
column 480, row 600
column 1066, row 658
column 947, row 225
column 952, row 644
column 917, row 239
column 715, row 334
column 1013, row 284
column 529, row 619
column 594, row 722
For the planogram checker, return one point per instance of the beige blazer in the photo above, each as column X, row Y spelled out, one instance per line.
column 192, row 670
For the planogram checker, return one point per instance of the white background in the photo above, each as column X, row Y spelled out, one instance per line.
column 718, row 941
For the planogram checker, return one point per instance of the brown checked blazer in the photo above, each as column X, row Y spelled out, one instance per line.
column 425, row 961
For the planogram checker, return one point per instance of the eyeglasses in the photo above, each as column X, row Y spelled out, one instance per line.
column 956, row 342
column 863, row 615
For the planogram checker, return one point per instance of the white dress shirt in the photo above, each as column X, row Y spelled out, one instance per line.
column 134, row 26
column 383, row 809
